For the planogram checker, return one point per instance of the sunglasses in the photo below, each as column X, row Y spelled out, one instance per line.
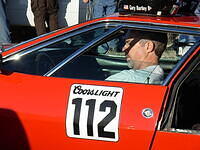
column 131, row 44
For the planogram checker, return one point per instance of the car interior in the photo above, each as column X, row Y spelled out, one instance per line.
column 182, row 113
column 187, row 108
column 107, row 59
column 96, row 63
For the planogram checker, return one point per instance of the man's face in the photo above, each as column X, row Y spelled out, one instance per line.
column 135, row 52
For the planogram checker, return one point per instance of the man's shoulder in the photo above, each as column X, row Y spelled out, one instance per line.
column 120, row 76
column 155, row 74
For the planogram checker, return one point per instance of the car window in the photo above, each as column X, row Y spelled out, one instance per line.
column 108, row 59
column 42, row 60
column 98, row 62
column 184, row 114
column 105, row 60
column 187, row 109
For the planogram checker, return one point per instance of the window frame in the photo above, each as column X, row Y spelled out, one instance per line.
column 53, row 40
column 114, row 23
column 168, row 113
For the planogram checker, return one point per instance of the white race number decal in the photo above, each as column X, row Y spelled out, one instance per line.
column 93, row 112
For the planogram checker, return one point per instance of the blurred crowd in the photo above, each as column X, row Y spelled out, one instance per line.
column 46, row 15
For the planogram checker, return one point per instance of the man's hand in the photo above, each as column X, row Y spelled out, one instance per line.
column 85, row 1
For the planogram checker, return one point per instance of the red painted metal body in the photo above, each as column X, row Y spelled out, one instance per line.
column 33, row 108
column 189, row 21
column 40, row 105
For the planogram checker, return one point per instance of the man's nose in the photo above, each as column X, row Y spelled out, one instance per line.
column 123, row 48
column 126, row 49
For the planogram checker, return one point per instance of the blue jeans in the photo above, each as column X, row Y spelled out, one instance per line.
column 102, row 8
column 4, row 31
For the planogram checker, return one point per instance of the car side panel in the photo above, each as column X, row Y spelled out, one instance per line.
column 33, row 114
column 176, row 141
column 179, row 140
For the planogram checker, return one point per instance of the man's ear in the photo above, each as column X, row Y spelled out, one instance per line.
column 149, row 46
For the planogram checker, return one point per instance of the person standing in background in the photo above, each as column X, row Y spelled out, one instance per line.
column 4, row 29
column 45, row 11
column 100, row 8
column 197, row 11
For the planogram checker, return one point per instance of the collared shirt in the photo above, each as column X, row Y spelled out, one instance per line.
column 149, row 75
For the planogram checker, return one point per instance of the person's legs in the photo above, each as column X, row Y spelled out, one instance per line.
column 110, row 9
column 52, row 8
column 197, row 11
column 4, row 31
column 97, row 9
column 39, row 10
column 104, row 8
column 89, row 11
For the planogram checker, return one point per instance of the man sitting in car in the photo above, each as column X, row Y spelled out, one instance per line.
column 143, row 50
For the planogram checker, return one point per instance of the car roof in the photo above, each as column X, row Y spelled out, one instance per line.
column 190, row 22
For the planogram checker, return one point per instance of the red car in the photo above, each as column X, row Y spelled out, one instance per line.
column 54, row 92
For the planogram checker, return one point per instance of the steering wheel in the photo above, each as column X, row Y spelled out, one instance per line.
column 44, row 63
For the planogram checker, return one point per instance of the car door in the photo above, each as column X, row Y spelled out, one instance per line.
column 66, row 109
column 180, row 122
column 43, row 105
